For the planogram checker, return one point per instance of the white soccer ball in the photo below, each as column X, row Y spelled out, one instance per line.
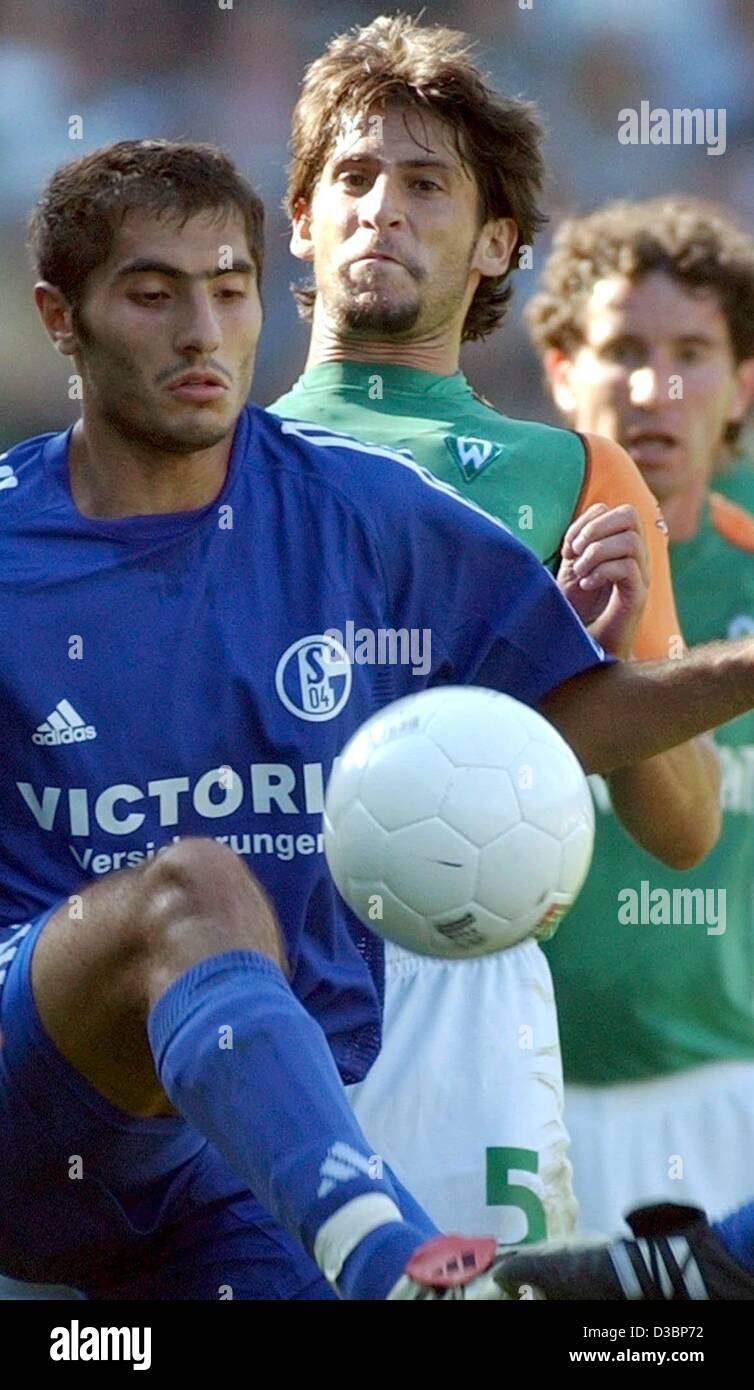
column 458, row 822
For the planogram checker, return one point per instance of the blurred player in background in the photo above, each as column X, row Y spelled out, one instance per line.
column 413, row 188
column 645, row 324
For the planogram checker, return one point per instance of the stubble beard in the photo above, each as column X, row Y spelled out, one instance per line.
column 142, row 424
column 123, row 409
column 368, row 314
column 379, row 320
column 156, row 436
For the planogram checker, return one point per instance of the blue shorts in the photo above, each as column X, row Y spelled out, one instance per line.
column 117, row 1207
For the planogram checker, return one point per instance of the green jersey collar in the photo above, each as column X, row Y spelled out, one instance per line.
column 376, row 379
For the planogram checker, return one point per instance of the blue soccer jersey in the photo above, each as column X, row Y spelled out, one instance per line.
column 172, row 675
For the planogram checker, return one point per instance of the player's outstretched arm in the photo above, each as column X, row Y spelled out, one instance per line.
column 616, row 716
column 671, row 804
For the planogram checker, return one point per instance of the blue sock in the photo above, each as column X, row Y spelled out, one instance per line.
column 737, row 1235
column 250, row 1069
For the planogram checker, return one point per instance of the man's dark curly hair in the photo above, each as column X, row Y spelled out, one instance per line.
column 695, row 242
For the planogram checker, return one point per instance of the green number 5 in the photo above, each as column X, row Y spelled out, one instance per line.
column 502, row 1193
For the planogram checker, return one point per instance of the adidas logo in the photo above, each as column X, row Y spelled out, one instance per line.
column 644, row 1267
column 7, row 476
column 343, row 1164
column 64, row 725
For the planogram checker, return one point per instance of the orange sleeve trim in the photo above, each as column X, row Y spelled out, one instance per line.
column 615, row 480
column 586, row 481
column 732, row 522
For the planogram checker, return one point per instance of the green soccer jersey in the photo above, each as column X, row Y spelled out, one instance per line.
column 648, row 983
column 737, row 482
column 528, row 475
column 533, row 478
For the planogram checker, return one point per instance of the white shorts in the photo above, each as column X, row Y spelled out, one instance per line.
column 465, row 1100
column 682, row 1138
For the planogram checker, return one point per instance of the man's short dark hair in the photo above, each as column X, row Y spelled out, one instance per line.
column 72, row 228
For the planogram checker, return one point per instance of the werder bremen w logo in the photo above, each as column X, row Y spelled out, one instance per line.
column 472, row 455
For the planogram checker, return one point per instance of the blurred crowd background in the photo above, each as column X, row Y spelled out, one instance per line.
column 189, row 69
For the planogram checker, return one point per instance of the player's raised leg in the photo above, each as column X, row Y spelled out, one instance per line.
column 168, row 996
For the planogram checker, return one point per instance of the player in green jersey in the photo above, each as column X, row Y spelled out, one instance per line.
column 645, row 323
column 412, row 186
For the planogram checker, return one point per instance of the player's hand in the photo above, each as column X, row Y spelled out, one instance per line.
column 604, row 574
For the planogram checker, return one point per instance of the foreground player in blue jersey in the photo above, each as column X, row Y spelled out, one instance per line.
column 176, row 1029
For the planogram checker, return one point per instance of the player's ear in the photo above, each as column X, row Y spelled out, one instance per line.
column 558, row 368
column 55, row 313
column 744, row 392
column 494, row 246
column 302, row 245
